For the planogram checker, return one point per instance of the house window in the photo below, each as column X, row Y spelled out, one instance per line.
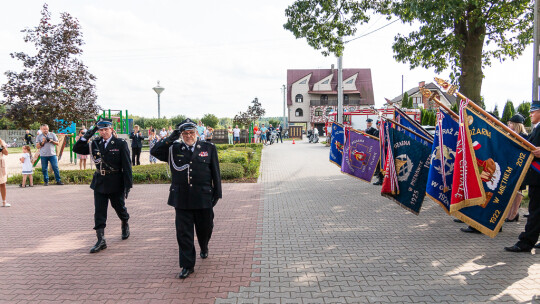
column 329, row 110
column 299, row 113
column 349, row 81
column 324, row 100
column 303, row 81
column 299, row 98
column 318, row 112
column 326, row 81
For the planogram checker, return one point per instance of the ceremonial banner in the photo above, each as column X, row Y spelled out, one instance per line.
column 443, row 155
column 408, row 159
column 502, row 162
column 360, row 155
column 336, row 144
column 410, row 123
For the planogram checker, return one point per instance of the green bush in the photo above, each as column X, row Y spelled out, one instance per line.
column 232, row 156
column 231, row 171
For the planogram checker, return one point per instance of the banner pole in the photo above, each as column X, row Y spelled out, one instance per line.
column 427, row 93
column 413, row 132
column 452, row 90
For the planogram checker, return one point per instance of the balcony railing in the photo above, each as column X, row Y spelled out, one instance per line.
column 333, row 102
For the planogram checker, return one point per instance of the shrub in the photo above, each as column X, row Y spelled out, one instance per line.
column 231, row 156
column 231, row 170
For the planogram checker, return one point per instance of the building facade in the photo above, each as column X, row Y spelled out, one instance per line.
column 312, row 94
column 420, row 101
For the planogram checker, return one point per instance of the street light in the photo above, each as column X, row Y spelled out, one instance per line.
column 158, row 89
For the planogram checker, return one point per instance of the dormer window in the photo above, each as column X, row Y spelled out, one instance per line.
column 326, row 81
column 303, row 81
column 299, row 98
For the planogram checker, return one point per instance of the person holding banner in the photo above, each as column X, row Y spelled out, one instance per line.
column 373, row 131
column 529, row 238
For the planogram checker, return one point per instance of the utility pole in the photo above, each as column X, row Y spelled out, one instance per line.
column 536, row 51
column 284, row 106
column 340, row 89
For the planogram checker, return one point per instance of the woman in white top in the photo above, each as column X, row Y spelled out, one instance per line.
column 3, row 172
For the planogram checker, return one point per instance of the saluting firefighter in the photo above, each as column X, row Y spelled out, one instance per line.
column 374, row 132
column 112, row 179
column 195, row 189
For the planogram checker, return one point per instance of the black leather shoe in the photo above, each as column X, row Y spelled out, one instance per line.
column 185, row 273
column 516, row 248
column 60, row 183
column 378, row 183
column 204, row 255
column 469, row 230
column 458, row 221
column 101, row 244
column 516, row 219
column 537, row 245
column 45, row 184
column 125, row 230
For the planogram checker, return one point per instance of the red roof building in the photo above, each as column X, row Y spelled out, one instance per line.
column 312, row 94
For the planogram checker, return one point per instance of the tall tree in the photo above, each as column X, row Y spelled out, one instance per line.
column 54, row 86
column 210, row 120
column 524, row 109
column 463, row 35
column 508, row 111
column 254, row 112
column 496, row 112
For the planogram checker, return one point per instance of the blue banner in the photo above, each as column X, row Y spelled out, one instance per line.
column 408, row 122
column 443, row 154
column 361, row 155
column 336, row 144
column 411, row 161
column 502, row 162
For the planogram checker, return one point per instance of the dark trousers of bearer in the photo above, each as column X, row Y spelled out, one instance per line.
column 101, row 203
column 136, row 156
column 529, row 237
column 203, row 220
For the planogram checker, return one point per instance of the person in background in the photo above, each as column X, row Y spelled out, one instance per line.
column 83, row 127
column 136, row 145
column 209, row 133
column 269, row 132
column 236, row 134
column 28, row 138
column 152, row 140
column 279, row 133
column 82, row 158
column 257, row 134
column 46, row 142
column 27, row 166
column 200, row 130
column 255, row 129
column 230, row 135
column 263, row 134
column 169, row 131
column 529, row 237
column 516, row 124
column 3, row 172
column 163, row 133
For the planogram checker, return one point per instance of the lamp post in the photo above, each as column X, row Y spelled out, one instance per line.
column 158, row 89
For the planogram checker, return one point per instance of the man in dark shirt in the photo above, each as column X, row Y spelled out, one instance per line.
column 136, row 145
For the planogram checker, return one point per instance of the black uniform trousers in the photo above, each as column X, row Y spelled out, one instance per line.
column 136, row 154
column 529, row 237
column 203, row 220
column 101, row 203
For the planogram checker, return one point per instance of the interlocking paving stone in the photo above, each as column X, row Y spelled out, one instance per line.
column 322, row 229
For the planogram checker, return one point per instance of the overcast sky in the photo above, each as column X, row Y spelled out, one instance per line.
column 216, row 56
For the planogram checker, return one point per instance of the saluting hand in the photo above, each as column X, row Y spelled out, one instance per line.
column 174, row 135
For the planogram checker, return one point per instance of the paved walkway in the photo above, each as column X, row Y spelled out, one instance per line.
column 304, row 234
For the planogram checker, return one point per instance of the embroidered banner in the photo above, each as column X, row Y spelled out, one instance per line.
column 443, row 155
column 502, row 163
column 409, row 159
column 360, row 155
column 336, row 144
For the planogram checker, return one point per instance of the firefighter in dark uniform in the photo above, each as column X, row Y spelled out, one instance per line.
column 529, row 237
column 374, row 132
column 112, row 179
column 195, row 189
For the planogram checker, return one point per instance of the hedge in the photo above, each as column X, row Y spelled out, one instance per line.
column 237, row 162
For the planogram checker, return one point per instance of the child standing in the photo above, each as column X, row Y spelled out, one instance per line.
column 27, row 166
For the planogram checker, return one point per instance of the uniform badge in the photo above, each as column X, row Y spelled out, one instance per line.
column 198, row 146
column 183, row 148
column 203, row 154
column 112, row 142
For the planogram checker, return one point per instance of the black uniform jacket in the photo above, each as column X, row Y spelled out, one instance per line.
column 198, row 185
column 533, row 178
column 136, row 139
column 115, row 157
column 372, row 131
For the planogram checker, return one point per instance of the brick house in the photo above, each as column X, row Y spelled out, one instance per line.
column 419, row 101
column 312, row 94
